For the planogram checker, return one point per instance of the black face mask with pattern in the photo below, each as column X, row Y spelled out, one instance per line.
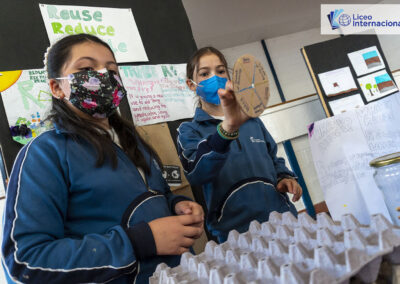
column 97, row 93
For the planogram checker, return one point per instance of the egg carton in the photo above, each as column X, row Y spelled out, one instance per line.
column 287, row 249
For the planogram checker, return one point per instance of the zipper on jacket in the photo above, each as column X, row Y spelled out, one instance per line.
column 239, row 145
column 152, row 191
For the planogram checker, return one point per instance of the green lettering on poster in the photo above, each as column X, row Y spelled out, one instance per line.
column 64, row 14
column 122, row 47
column 57, row 28
column 52, row 12
column 99, row 30
column 110, row 31
column 77, row 16
column 97, row 16
column 78, row 29
column 86, row 15
column 166, row 72
column 69, row 30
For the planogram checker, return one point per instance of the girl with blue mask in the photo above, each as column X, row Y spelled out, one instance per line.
column 241, row 181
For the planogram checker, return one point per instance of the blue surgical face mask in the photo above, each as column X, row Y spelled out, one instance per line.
column 208, row 89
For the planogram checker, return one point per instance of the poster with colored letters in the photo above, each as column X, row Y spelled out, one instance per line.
column 117, row 27
column 158, row 93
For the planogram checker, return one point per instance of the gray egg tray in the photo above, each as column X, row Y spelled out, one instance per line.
column 289, row 250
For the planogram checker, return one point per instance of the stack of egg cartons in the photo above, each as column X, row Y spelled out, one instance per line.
column 290, row 250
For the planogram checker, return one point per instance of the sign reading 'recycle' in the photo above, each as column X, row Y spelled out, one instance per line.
column 368, row 19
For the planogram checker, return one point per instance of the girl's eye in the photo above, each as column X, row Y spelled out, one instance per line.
column 222, row 71
column 204, row 74
column 113, row 71
column 86, row 68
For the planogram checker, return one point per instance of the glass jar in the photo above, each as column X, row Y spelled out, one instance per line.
column 387, row 178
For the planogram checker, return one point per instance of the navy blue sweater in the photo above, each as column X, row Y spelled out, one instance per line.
column 67, row 221
column 238, row 177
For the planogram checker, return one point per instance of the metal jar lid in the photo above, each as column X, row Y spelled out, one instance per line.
column 385, row 160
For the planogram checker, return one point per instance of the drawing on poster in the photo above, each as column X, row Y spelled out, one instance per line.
column 8, row 78
column 27, row 102
column 337, row 82
column 372, row 59
column 156, row 93
column 346, row 104
column 366, row 60
column 377, row 85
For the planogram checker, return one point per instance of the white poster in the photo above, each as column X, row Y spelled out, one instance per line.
column 2, row 189
column 366, row 60
column 377, row 85
column 27, row 100
column 117, row 27
column 342, row 147
column 337, row 82
column 346, row 104
column 396, row 77
column 158, row 93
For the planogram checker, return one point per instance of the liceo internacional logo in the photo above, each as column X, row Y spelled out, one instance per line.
column 333, row 17
column 368, row 19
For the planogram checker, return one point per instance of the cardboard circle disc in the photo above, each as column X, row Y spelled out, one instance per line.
column 251, row 85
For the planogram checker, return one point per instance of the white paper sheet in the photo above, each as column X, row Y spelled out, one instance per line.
column 27, row 101
column 366, row 60
column 348, row 103
column 377, row 85
column 337, row 82
column 158, row 93
column 2, row 190
column 115, row 26
column 396, row 77
column 342, row 147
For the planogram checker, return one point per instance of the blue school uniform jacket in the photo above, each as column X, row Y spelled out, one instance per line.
column 238, row 177
column 67, row 221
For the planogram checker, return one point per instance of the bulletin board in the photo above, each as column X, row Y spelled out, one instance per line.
column 163, row 27
column 349, row 72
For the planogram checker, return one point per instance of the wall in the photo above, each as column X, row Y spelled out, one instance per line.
column 289, row 64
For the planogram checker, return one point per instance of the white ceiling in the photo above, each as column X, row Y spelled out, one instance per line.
column 228, row 23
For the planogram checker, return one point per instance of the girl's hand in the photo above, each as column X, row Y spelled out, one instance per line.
column 188, row 207
column 291, row 186
column 234, row 116
column 174, row 235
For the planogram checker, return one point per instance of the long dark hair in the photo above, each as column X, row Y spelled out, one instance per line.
column 87, row 129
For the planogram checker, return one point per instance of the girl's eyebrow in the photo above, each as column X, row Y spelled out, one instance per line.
column 94, row 60
column 208, row 68
column 87, row 58
column 203, row 68
column 111, row 63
